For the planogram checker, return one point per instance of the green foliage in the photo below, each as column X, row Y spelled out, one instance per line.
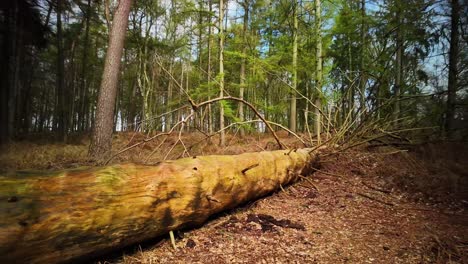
column 167, row 50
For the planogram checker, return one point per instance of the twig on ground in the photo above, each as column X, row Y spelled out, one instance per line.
column 282, row 189
column 310, row 182
column 171, row 235
column 329, row 173
column 375, row 188
column 374, row 199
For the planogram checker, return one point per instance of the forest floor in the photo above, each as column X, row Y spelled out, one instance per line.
column 366, row 205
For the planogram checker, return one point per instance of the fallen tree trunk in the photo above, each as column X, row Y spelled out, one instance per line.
column 68, row 215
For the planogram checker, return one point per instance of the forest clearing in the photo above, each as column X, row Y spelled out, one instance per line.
column 233, row 131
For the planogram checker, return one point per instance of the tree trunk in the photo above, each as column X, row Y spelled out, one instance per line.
column 200, row 34
column 245, row 4
column 60, row 118
column 208, row 68
column 7, row 71
column 222, row 136
column 101, row 141
column 80, row 213
column 363, row 79
column 84, row 69
column 319, row 74
column 4, row 80
column 453, row 67
column 293, row 113
column 398, row 62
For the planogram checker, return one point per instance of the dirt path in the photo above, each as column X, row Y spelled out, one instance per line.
column 351, row 218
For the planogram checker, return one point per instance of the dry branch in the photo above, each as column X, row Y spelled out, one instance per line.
column 196, row 106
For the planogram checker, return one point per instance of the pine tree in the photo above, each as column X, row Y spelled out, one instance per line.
column 101, row 142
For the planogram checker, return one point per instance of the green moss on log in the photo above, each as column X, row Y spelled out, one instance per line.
column 87, row 212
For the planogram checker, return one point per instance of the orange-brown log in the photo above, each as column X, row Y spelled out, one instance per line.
column 52, row 217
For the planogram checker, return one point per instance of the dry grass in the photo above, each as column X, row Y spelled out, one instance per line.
column 28, row 155
column 38, row 154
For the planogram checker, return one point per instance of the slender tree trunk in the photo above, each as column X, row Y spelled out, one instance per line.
column 398, row 62
column 101, row 142
column 131, row 108
column 222, row 138
column 84, row 69
column 60, row 106
column 453, row 67
column 170, row 117
column 5, row 47
column 350, row 78
column 363, row 79
column 200, row 33
column 71, row 90
column 25, row 108
column 246, row 5
column 319, row 73
column 39, row 124
column 208, row 69
column 16, row 41
column 293, row 106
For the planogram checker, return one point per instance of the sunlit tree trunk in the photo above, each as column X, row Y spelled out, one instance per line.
column 101, row 142
column 245, row 4
column 350, row 78
column 222, row 138
column 293, row 113
column 208, row 69
column 319, row 73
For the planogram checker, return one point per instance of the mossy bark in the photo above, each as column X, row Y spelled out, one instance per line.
column 61, row 216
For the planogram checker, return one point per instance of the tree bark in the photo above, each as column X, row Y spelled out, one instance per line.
column 208, row 68
column 319, row 73
column 363, row 78
column 222, row 136
column 81, row 213
column 293, row 112
column 101, row 142
column 84, row 70
column 398, row 62
column 453, row 68
column 245, row 5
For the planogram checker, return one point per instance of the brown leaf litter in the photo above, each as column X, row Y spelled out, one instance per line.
column 366, row 211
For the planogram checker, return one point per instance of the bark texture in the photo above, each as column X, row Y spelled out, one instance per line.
column 101, row 142
column 318, row 72
column 73, row 214
column 293, row 103
column 222, row 136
